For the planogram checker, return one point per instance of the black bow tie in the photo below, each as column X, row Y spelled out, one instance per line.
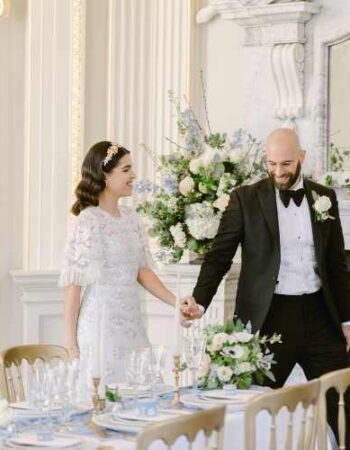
column 297, row 197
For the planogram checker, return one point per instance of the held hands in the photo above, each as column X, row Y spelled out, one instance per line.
column 73, row 351
column 346, row 331
column 189, row 310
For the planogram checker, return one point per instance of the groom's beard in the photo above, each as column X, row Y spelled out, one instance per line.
column 290, row 178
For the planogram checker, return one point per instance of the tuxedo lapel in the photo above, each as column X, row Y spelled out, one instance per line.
column 267, row 198
column 316, row 226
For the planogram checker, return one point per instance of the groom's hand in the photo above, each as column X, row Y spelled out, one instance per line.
column 346, row 331
column 190, row 310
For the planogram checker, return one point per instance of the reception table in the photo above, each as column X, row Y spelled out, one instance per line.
column 91, row 438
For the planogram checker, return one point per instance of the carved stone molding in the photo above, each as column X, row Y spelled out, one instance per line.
column 4, row 8
column 265, row 22
column 281, row 25
column 288, row 70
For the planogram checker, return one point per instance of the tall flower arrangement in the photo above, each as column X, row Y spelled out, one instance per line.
column 194, row 182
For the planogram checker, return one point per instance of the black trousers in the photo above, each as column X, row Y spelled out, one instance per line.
column 310, row 339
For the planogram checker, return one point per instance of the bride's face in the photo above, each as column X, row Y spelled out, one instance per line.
column 119, row 181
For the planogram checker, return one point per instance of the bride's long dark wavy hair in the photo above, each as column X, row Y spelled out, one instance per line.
column 93, row 171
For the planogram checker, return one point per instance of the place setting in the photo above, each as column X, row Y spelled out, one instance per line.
column 142, row 398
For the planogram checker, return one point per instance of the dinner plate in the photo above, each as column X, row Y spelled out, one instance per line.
column 200, row 402
column 134, row 415
column 31, row 441
column 26, row 406
column 111, row 422
column 238, row 396
column 24, row 410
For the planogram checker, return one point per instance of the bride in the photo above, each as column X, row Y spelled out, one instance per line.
column 106, row 257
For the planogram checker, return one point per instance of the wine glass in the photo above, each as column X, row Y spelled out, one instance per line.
column 194, row 343
column 64, row 377
column 40, row 397
column 136, row 369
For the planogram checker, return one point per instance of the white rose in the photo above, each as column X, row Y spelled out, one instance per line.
column 195, row 165
column 243, row 336
column 224, row 373
column 186, row 186
column 222, row 202
column 231, row 339
column 179, row 235
column 218, row 341
column 236, row 155
column 205, row 365
column 242, row 368
column 322, row 204
column 208, row 156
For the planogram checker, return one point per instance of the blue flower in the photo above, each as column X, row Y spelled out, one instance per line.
column 145, row 187
column 237, row 138
column 169, row 183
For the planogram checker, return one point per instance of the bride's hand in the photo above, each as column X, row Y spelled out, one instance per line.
column 73, row 351
column 190, row 309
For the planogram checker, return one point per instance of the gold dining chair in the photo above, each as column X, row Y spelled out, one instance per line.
column 340, row 381
column 289, row 397
column 11, row 361
column 210, row 421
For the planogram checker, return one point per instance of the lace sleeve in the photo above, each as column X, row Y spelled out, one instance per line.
column 82, row 256
column 146, row 259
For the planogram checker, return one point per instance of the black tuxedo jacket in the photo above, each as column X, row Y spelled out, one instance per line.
column 251, row 220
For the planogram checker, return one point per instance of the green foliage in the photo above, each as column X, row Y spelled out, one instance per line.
column 112, row 395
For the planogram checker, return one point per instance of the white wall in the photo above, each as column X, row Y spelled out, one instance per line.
column 12, row 63
column 223, row 67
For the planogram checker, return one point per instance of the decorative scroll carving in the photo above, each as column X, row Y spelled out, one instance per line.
column 288, row 69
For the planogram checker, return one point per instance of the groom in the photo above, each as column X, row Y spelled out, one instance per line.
column 293, row 278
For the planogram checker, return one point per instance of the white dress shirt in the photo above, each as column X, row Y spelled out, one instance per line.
column 297, row 274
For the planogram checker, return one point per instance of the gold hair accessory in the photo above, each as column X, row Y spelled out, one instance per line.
column 111, row 151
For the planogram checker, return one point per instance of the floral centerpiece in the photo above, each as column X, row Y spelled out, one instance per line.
column 236, row 356
column 194, row 183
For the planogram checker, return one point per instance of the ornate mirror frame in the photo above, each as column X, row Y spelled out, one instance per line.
column 323, row 44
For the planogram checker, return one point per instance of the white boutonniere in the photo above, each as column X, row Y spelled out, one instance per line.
column 321, row 206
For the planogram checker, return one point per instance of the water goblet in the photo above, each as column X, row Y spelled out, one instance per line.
column 194, row 346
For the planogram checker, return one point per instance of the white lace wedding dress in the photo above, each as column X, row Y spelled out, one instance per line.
column 103, row 255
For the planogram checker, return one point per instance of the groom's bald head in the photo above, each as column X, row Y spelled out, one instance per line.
column 284, row 157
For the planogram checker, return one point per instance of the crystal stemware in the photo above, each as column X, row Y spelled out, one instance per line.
column 194, row 346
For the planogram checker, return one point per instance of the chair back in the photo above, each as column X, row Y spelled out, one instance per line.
column 210, row 421
column 340, row 381
column 12, row 365
column 289, row 397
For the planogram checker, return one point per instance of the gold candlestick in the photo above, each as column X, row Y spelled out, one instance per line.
column 176, row 370
column 98, row 402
